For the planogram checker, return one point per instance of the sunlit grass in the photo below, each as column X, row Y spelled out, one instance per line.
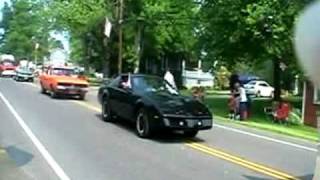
column 217, row 103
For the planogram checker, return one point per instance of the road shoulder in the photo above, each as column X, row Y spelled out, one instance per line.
column 9, row 169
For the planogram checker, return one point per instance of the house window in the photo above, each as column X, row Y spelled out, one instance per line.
column 316, row 97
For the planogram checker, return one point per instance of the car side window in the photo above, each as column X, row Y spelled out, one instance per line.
column 264, row 84
column 115, row 83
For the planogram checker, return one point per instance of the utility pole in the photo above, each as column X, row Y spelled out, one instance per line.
column 36, row 47
column 120, row 20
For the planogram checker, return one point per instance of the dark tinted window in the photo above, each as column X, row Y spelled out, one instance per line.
column 115, row 82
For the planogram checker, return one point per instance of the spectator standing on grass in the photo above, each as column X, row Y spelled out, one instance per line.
column 243, row 102
column 170, row 79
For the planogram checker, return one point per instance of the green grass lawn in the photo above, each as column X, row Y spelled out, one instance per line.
column 218, row 105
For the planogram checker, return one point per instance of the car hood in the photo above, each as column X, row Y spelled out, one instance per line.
column 178, row 105
column 70, row 80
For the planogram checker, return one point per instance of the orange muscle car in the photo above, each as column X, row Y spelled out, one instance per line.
column 63, row 81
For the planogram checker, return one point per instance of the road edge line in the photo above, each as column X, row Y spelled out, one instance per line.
column 43, row 151
column 266, row 138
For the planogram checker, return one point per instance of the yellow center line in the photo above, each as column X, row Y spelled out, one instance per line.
column 222, row 155
column 242, row 162
column 88, row 106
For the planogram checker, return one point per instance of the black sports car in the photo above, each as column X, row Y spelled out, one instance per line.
column 152, row 104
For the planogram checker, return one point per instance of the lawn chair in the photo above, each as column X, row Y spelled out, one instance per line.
column 279, row 113
column 282, row 113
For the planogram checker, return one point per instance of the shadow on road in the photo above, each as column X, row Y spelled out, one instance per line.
column 19, row 156
column 166, row 137
column 306, row 177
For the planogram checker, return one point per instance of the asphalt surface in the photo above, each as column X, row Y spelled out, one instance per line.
column 86, row 148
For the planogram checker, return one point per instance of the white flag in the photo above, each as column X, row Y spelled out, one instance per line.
column 107, row 28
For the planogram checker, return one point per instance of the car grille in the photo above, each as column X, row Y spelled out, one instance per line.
column 73, row 85
column 175, row 122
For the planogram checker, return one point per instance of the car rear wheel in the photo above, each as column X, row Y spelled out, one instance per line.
column 191, row 134
column 143, row 127
column 106, row 111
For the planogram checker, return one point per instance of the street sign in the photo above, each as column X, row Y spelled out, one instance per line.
column 107, row 28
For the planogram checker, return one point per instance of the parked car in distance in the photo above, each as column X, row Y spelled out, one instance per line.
column 63, row 81
column 153, row 105
column 259, row 89
column 24, row 74
column 7, row 68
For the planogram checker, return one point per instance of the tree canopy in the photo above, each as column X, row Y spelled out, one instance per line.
column 231, row 32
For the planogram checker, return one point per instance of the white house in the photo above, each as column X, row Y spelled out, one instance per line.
column 196, row 77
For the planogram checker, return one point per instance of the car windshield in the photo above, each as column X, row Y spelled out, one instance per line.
column 7, row 63
column 151, row 84
column 63, row 72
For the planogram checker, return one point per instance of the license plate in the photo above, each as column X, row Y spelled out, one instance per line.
column 193, row 123
column 73, row 91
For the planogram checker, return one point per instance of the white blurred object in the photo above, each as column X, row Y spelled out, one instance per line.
column 98, row 75
column 307, row 41
column 7, row 57
column 307, row 44
column 23, row 63
column 170, row 79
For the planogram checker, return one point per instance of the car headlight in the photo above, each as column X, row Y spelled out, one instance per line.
column 85, row 89
column 61, row 87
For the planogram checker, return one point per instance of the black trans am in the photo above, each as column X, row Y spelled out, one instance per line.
column 153, row 105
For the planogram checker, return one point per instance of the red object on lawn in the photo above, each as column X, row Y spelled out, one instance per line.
column 282, row 112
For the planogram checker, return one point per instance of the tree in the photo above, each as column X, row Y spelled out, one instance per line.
column 24, row 27
column 250, row 31
column 6, row 18
column 151, row 30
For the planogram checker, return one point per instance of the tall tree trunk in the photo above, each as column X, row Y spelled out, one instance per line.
column 106, row 63
column 139, row 46
column 277, row 79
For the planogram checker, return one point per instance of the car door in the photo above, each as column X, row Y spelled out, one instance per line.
column 113, row 95
column 125, row 101
column 264, row 89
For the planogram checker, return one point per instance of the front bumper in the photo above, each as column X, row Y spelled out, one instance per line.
column 71, row 91
column 8, row 73
column 25, row 77
column 187, row 123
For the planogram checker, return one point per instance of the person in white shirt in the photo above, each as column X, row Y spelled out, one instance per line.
column 170, row 79
column 243, row 101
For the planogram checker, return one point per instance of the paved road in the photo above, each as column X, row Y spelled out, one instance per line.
column 83, row 147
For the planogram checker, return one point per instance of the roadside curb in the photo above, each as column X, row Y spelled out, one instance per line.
column 8, row 168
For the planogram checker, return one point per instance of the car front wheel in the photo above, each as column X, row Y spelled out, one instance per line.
column 82, row 97
column 143, row 127
column 106, row 112
column 53, row 95
column 258, row 94
column 43, row 91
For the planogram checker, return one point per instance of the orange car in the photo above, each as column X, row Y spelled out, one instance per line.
column 63, row 81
